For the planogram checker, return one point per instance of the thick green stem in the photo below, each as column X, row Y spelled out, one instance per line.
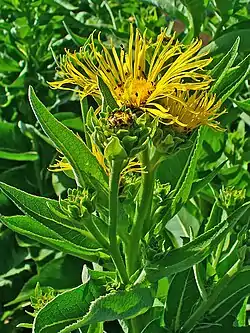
column 113, row 219
column 142, row 214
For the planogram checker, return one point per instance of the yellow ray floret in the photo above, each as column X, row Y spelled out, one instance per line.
column 62, row 163
column 187, row 110
column 141, row 73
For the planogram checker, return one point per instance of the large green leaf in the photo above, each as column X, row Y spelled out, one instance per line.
column 180, row 259
column 68, row 317
column 31, row 228
column 182, row 296
column 66, row 308
column 237, row 290
column 85, row 165
column 42, row 210
column 224, row 42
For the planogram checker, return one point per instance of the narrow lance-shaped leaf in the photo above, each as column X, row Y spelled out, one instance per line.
column 84, row 163
column 184, row 191
column 220, row 70
column 180, row 259
column 40, row 209
column 33, row 229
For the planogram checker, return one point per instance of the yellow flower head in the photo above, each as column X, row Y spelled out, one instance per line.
column 144, row 75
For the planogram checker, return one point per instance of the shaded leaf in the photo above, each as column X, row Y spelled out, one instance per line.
column 180, row 259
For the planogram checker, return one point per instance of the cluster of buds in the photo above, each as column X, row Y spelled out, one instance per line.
column 231, row 199
column 41, row 297
column 78, row 203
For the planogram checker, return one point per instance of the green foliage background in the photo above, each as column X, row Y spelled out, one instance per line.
column 32, row 35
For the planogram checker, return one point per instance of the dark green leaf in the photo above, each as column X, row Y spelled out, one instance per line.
column 182, row 296
column 31, row 228
column 10, row 253
column 64, row 309
column 197, row 10
column 224, row 42
column 60, row 274
column 117, row 305
column 84, row 163
column 237, row 290
column 180, row 259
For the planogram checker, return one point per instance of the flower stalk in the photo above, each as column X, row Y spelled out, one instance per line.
column 116, row 166
column 142, row 213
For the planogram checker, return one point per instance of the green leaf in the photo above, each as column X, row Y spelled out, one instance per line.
column 10, row 253
column 237, row 290
column 31, row 228
column 114, row 150
column 207, row 303
column 8, row 65
column 117, row 305
column 197, row 10
column 66, row 308
column 171, row 169
column 60, row 274
column 48, row 212
column 186, row 186
column 224, row 42
column 243, row 105
column 12, row 139
column 233, row 78
column 79, row 41
column 220, row 70
column 84, row 163
column 201, row 183
column 29, row 156
column 225, row 7
column 96, row 328
column 182, row 258
column 107, row 97
column 182, row 296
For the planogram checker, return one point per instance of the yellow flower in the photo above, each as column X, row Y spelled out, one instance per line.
column 186, row 110
column 62, row 164
column 145, row 75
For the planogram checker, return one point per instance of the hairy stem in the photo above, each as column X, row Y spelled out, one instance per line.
column 113, row 219
column 142, row 214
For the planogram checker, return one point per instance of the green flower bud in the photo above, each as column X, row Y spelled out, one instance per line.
column 231, row 199
column 41, row 297
column 78, row 203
